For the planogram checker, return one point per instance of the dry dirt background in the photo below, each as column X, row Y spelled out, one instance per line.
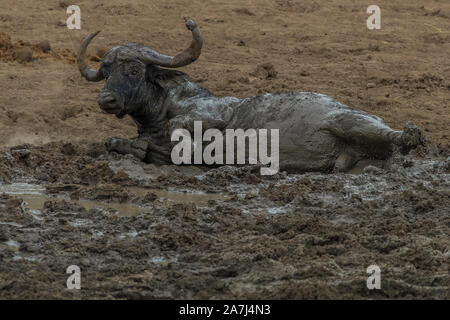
column 400, row 72
column 335, row 225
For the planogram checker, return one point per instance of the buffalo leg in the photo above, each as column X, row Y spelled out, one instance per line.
column 364, row 129
column 345, row 161
column 136, row 147
column 411, row 137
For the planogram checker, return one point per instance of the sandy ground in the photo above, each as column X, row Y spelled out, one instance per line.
column 283, row 237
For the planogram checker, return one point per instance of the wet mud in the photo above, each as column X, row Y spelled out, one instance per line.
column 139, row 231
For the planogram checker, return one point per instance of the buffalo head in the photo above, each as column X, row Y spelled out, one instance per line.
column 128, row 71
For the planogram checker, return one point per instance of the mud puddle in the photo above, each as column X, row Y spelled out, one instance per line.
column 14, row 246
column 11, row 245
column 34, row 198
column 181, row 196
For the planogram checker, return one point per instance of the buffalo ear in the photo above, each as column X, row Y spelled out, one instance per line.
column 164, row 78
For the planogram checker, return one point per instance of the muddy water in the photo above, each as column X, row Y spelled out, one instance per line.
column 14, row 246
column 11, row 245
column 34, row 198
column 178, row 196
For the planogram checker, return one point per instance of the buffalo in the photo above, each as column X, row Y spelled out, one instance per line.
column 316, row 132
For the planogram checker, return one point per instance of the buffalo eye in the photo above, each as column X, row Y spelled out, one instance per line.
column 134, row 72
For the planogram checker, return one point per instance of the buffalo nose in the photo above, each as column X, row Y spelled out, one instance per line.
column 106, row 98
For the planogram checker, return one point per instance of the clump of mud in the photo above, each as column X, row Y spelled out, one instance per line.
column 25, row 51
column 265, row 71
column 22, row 51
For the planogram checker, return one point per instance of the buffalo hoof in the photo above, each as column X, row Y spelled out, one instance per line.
column 136, row 147
column 411, row 137
column 344, row 162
